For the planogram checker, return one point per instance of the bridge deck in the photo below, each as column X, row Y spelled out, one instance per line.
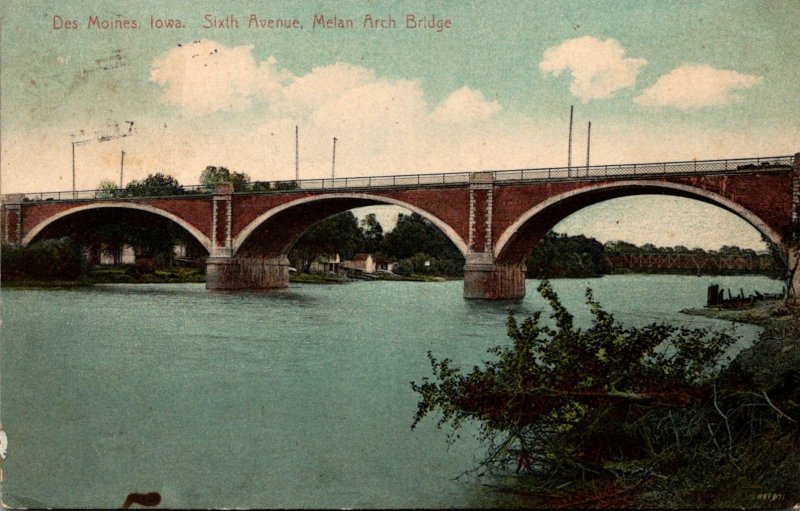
column 547, row 174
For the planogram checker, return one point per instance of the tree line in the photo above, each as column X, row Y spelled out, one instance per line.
column 415, row 244
column 160, row 184
column 559, row 255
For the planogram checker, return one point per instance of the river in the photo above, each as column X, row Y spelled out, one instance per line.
column 292, row 398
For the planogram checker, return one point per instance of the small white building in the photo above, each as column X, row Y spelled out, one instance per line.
column 363, row 263
column 325, row 264
column 367, row 263
column 383, row 264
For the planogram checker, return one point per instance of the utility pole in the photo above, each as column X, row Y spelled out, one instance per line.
column 569, row 145
column 296, row 153
column 333, row 163
column 121, row 167
column 588, row 145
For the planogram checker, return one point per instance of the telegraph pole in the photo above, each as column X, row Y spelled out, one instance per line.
column 569, row 145
column 121, row 167
column 333, row 163
column 588, row 145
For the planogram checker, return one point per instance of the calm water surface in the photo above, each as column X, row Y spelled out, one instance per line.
column 296, row 398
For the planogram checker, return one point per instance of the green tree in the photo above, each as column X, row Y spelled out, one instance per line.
column 579, row 412
column 47, row 259
column 338, row 234
column 372, row 234
column 414, row 235
column 154, row 185
column 108, row 189
column 418, row 263
column 559, row 255
column 213, row 175
column 286, row 185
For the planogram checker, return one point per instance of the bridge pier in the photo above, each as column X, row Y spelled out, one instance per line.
column 483, row 278
column 488, row 281
column 247, row 272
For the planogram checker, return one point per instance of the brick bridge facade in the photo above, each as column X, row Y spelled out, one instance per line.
column 493, row 218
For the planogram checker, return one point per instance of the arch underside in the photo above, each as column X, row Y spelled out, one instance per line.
column 521, row 238
column 84, row 219
column 275, row 232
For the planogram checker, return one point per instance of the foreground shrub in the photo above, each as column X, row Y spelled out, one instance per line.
column 46, row 260
column 646, row 415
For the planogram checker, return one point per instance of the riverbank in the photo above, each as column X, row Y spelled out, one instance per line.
column 777, row 349
column 773, row 315
column 115, row 275
column 184, row 275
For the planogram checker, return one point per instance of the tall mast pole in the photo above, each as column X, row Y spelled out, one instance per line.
column 73, row 169
column 569, row 145
column 296, row 153
column 588, row 145
column 121, row 167
column 333, row 163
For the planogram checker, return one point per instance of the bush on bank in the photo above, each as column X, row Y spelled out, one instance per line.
column 621, row 416
column 46, row 260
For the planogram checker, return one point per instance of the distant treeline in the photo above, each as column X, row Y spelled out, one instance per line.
column 560, row 255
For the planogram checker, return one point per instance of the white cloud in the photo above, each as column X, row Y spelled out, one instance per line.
column 383, row 116
column 693, row 86
column 324, row 84
column 206, row 76
column 465, row 105
column 599, row 68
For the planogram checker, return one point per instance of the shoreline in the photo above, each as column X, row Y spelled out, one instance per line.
column 777, row 349
column 771, row 314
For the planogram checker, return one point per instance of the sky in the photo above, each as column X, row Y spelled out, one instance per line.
column 488, row 86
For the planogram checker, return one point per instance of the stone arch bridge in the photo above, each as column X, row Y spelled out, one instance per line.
column 494, row 218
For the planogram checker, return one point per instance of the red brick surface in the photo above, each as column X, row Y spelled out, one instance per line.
column 480, row 198
column 768, row 196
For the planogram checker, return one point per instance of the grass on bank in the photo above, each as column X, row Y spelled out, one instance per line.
column 121, row 274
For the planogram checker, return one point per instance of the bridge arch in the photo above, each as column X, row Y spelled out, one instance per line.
column 197, row 234
column 521, row 236
column 337, row 203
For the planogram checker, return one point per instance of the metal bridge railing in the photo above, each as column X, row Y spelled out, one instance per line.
column 760, row 164
column 107, row 193
column 743, row 165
